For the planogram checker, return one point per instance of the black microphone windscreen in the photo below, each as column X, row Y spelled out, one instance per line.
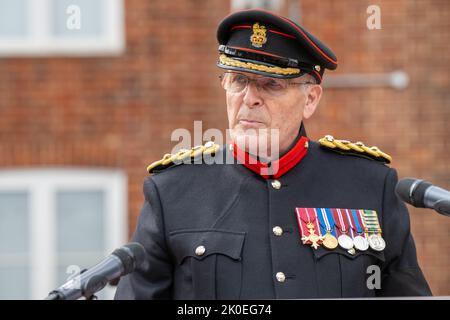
column 412, row 191
column 138, row 252
column 419, row 193
column 403, row 189
column 131, row 255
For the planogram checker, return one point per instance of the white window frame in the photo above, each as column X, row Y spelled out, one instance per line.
column 273, row 5
column 40, row 42
column 41, row 186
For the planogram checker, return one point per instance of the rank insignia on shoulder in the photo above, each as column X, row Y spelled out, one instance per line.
column 354, row 148
column 184, row 156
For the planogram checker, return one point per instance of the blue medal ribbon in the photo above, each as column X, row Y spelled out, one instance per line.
column 355, row 218
column 329, row 216
column 323, row 226
column 330, row 220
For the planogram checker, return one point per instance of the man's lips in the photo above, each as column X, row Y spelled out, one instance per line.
column 249, row 122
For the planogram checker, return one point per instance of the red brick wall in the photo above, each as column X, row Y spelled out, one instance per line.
column 120, row 112
column 411, row 124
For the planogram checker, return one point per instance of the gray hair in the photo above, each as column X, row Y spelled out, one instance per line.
column 309, row 79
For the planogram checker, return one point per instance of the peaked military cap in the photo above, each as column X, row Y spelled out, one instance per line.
column 265, row 43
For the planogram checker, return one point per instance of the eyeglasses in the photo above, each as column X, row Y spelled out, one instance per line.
column 235, row 82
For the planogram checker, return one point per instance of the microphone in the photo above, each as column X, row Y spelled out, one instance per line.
column 122, row 261
column 422, row 194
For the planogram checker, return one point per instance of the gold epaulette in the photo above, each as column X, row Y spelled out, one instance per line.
column 169, row 160
column 356, row 148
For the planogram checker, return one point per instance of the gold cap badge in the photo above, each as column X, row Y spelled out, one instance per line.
column 258, row 38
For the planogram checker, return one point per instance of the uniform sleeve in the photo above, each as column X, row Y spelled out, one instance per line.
column 401, row 274
column 154, row 279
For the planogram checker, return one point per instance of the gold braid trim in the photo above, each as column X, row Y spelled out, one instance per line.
column 169, row 160
column 252, row 66
column 358, row 148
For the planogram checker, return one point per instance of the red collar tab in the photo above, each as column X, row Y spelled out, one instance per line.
column 278, row 167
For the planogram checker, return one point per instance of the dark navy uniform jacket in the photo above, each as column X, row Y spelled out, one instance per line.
column 231, row 211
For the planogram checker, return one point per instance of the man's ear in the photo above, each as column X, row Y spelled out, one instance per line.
column 313, row 95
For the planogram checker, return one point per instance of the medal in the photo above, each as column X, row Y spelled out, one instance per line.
column 373, row 230
column 348, row 213
column 360, row 240
column 330, row 241
column 313, row 239
column 351, row 229
column 307, row 220
column 327, row 224
column 361, row 243
column 344, row 240
column 376, row 242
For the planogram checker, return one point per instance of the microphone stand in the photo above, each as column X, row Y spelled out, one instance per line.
column 88, row 294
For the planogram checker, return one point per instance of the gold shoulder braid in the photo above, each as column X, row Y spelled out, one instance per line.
column 169, row 160
column 357, row 149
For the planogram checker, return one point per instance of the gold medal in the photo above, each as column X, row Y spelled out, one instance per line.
column 313, row 239
column 330, row 241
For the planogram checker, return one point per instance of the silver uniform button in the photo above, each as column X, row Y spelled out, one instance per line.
column 278, row 231
column 280, row 277
column 276, row 184
column 200, row 250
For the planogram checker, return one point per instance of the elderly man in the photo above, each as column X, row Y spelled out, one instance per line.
column 293, row 219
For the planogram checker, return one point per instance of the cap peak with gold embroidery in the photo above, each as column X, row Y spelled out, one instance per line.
column 263, row 42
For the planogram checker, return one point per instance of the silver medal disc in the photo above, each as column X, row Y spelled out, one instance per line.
column 345, row 241
column 361, row 243
column 376, row 242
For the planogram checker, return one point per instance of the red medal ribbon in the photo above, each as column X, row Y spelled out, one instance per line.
column 352, row 228
column 313, row 212
column 340, row 220
column 305, row 216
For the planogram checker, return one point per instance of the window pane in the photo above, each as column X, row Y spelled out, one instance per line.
column 14, row 245
column 13, row 17
column 273, row 5
column 80, row 231
column 90, row 17
column 71, row 264
column 14, row 283
column 80, row 220
column 14, row 217
column 64, row 276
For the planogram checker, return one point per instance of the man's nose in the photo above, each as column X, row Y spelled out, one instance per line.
column 252, row 96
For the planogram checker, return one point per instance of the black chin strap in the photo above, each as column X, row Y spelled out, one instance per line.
column 302, row 131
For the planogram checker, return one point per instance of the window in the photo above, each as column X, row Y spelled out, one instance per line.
column 14, row 245
column 61, row 27
column 51, row 220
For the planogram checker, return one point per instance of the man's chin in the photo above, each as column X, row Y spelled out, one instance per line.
column 252, row 140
